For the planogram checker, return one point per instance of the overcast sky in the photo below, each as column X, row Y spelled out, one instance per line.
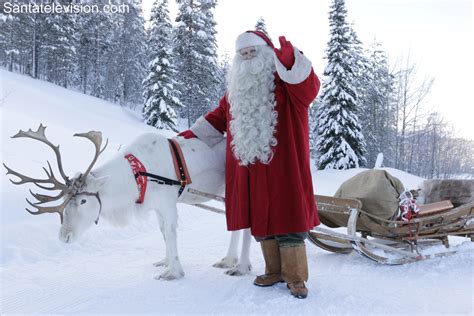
column 436, row 33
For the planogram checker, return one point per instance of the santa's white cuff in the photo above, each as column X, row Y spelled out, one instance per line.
column 298, row 73
column 206, row 132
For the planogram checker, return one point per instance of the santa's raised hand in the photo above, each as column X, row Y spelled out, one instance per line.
column 286, row 53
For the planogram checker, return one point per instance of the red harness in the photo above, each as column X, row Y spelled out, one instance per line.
column 138, row 170
column 141, row 175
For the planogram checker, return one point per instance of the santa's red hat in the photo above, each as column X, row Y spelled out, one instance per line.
column 252, row 38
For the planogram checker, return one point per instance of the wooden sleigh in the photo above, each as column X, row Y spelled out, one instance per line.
column 391, row 241
column 385, row 241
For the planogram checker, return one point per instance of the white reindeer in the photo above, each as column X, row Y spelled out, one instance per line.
column 110, row 192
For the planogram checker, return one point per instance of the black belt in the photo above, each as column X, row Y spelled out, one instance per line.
column 163, row 180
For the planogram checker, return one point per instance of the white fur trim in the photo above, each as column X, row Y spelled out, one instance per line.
column 206, row 132
column 298, row 73
column 248, row 39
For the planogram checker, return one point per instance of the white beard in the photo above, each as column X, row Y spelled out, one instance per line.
column 252, row 103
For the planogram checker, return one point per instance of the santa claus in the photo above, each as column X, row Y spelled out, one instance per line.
column 268, row 180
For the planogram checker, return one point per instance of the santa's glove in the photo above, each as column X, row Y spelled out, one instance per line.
column 187, row 134
column 286, row 53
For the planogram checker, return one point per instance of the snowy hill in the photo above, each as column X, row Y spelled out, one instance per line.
column 109, row 270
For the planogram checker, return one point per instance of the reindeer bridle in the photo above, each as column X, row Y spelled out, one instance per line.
column 70, row 187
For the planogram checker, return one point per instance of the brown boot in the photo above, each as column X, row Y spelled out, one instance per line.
column 294, row 269
column 271, row 254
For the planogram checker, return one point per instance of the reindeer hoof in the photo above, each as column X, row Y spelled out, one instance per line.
column 239, row 270
column 226, row 263
column 168, row 275
column 161, row 263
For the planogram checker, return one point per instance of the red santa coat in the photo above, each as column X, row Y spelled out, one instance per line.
column 275, row 198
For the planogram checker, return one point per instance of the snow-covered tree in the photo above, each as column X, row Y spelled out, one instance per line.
column 58, row 48
column 313, row 127
column 340, row 143
column 161, row 102
column 21, row 39
column 85, row 51
column 127, row 66
column 376, row 96
column 224, row 66
column 196, row 57
column 9, row 37
column 210, row 65
column 261, row 26
column 359, row 65
column 95, row 50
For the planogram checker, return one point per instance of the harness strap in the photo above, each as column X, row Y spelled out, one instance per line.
column 158, row 179
column 138, row 168
column 141, row 175
column 179, row 165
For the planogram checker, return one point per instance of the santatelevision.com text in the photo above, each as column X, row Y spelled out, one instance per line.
column 56, row 8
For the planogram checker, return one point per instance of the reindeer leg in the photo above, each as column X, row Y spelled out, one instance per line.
column 174, row 269
column 243, row 266
column 164, row 261
column 231, row 257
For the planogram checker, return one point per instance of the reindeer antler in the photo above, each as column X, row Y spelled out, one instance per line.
column 57, row 185
column 69, row 188
column 96, row 138
column 51, row 179
column 39, row 135
column 48, row 209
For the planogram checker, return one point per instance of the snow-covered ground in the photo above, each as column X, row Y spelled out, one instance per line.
column 109, row 270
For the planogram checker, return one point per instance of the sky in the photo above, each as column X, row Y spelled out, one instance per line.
column 435, row 34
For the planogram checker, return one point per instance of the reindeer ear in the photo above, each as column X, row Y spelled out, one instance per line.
column 98, row 182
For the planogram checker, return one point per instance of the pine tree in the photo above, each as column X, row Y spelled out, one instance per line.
column 84, row 50
column 93, row 47
column 21, row 39
column 127, row 63
column 224, row 67
column 196, row 57
column 261, row 26
column 161, row 102
column 101, row 34
column 97, row 51
column 9, row 29
column 313, row 127
column 208, row 48
column 58, row 45
column 359, row 64
column 340, row 143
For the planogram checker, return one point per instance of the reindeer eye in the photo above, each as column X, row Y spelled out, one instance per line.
column 83, row 201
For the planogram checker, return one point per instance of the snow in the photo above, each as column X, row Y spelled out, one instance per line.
column 110, row 270
column 379, row 161
column 201, row 34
